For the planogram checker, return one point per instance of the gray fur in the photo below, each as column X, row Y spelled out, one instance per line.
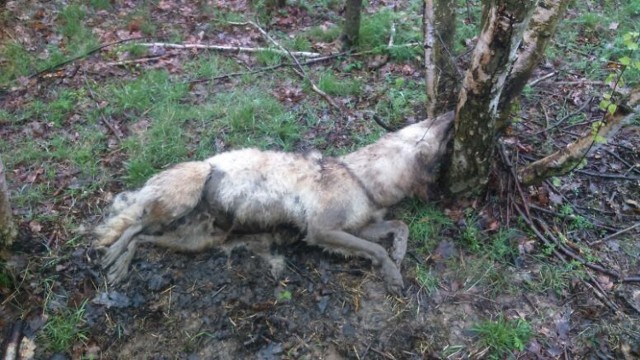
column 249, row 197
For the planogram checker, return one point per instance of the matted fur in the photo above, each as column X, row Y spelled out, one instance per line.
column 249, row 196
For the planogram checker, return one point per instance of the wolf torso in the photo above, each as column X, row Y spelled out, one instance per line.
column 263, row 189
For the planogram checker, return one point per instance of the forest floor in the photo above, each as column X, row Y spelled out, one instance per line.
column 77, row 126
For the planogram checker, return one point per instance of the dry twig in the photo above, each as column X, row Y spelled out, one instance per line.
column 300, row 72
column 229, row 48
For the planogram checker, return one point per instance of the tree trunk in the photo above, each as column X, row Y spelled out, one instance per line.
column 541, row 28
column 351, row 27
column 563, row 161
column 477, row 109
column 8, row 230
column 440, row 72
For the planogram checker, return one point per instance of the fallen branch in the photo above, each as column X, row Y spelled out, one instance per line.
column 230, row 48
column 565, row 160
column 14, row 341
column 535, row 82
column 134, row 61
column 565, row 118
column 609, row 237
column 53, row 67
column 609, row 176
column 300, row 72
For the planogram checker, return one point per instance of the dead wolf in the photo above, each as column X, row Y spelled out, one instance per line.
column 337, row 203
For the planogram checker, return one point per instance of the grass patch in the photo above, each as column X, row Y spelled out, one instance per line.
column 152, row 89
column 426, row 279
column 256, row 119
column 64, row 329
column 323, row 33
column 502, row 337
column 330, row 84
column 425, row 223
column 400, row 100
column 80, row 39
column 17, row 62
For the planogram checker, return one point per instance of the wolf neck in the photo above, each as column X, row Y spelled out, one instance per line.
column 386, row 169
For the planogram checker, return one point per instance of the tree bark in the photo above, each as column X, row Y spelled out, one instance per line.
column 477, row 109
column 563, row 161
column 8, row 230
column 351, row 27
column 541, row 28
column 440, row 72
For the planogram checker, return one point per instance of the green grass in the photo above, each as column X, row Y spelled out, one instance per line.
column 400, row 100
column 258, row 120
column 426, row 279
column 80, row 39
column 18, row 62
column 63, row 329
column 334, row 86
column 208, row 66
column 152, row 89
column 100, row 4
column 322, row 34
column 425, row 223
column 502, row 337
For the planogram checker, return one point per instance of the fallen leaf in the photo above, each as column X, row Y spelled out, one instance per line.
column 35, row 226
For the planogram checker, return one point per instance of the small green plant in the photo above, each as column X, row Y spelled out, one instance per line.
column 502, row 337
column 500, row 249
column 284, row 295
column 426, row 279
column 425, row 223
column 471, row 235
column 62, row 330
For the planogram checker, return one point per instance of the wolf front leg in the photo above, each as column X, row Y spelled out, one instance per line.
column 394, row 229
column 347, row 244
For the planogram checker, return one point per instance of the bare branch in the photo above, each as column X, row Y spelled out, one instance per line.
column 230, row 48
column 565, row 160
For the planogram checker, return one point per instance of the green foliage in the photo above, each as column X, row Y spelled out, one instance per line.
column 502, row 337
column 330, row 84
column 552, row 278
column 80, row 39
column 284, row 296
column 62, row 330
column 323, row 34
column 17, row 62
column 208, row 66
column 258, row 119
column 152, row 88
column 400, row 101
column 426, row 279
column 425, row 223
column 100, row 4
column 269, row 58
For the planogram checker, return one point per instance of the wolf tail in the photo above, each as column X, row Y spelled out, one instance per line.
column 165, row 197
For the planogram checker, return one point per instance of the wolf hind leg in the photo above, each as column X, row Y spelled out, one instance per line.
column 397, row 230
column 347, row 244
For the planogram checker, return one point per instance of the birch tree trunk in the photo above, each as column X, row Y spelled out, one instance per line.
column 504, row 22
column 8, row 230
column 351, row 27
column 440, row 73
column 541, row 28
